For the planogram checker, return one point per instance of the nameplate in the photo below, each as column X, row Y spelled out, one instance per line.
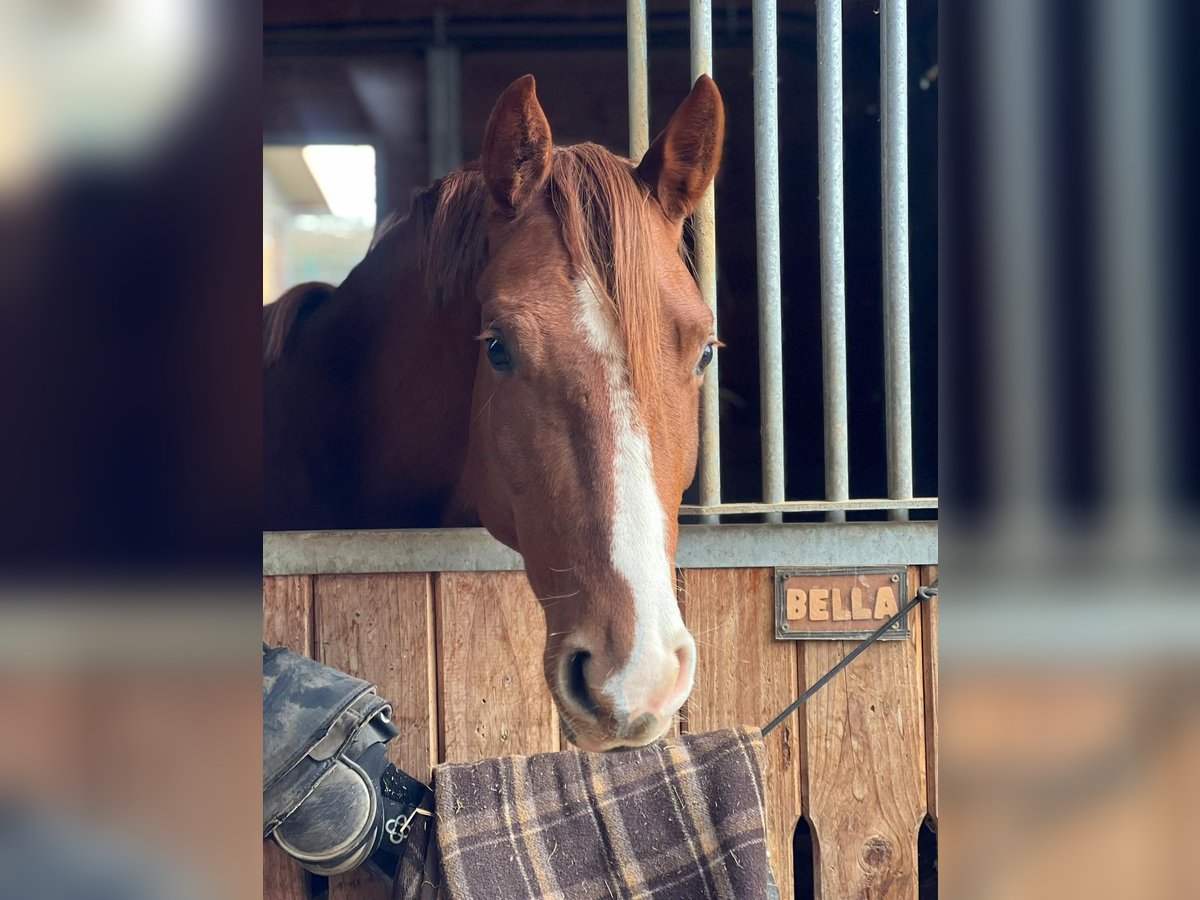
column 821, row 604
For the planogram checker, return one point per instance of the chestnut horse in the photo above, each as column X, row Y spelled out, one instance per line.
column 524, row 350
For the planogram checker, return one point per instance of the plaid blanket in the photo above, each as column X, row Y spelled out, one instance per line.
column 682, row 818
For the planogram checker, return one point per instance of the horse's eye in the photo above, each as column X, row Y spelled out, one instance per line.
column 705, row 358
column 497, row 355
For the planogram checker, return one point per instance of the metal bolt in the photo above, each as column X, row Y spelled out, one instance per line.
column 895, row 578
column 785, row 627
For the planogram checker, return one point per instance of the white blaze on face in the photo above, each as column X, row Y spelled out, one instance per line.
column 638, row 548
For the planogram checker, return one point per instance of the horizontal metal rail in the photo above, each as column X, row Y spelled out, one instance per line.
column 727, row 546
column 807, row 506
column 515, row 32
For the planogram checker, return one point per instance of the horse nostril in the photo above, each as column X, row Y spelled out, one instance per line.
column 577, row 686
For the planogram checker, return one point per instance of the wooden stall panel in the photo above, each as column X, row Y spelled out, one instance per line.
column 288, row 612
column 745, row 677
column 380, row 628
column 864, row 772
column 287, row 622
column 492, row 695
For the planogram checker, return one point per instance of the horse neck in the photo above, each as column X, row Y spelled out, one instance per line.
column 414, row 392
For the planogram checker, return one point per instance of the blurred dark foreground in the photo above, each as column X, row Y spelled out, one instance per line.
column 129, row 451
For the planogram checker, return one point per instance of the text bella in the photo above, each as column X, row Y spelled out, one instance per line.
column 832, row 605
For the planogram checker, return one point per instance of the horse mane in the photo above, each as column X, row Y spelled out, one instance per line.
column 448, row 215
column 452, row 215
column 281, row 316
column 603, row 210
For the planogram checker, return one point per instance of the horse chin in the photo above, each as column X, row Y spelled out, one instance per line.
column 593, row 744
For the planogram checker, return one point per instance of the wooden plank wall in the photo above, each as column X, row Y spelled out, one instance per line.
column 745, row 676
column 459, row 656
column 380, row 628
column 287, row 622
column 864, row 766
column 493, row 698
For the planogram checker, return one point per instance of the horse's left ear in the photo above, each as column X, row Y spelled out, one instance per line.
column 682, row 161
column 516, row 146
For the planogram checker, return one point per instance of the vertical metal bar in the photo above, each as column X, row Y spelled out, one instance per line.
column 833, row 261
column 1128, row 180
column 766, row 199
column 442, row 69
column 893, row 90
column 704, row 232
column 638, row 62
column 1019, row 354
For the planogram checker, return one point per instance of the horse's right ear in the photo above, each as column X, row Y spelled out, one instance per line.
column 516, row 146
column 683, row 160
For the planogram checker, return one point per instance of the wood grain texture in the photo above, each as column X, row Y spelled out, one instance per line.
column 746, row 677
column 929, row 632
column 287, row 622
column 283, row 879
column 288, row 612
column 865, row 765
column 380, row 628
column 492, row 695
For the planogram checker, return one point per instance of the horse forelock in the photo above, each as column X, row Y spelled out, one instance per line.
column 604, row 214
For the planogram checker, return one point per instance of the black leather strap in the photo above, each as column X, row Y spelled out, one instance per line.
column 402, row 798
column 400, row 787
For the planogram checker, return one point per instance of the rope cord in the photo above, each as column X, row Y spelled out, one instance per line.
column 923, row 593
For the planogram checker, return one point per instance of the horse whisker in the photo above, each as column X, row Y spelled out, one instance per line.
column 559, row 596
column 485, row 406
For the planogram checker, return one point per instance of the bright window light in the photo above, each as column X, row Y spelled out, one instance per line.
column 345, row 173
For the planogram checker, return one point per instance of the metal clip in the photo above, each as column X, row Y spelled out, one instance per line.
column 398, row 830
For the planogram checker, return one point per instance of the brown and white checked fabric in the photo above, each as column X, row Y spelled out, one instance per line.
column 682, row 818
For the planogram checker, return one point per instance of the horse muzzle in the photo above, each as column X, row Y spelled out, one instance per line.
column 608, row 707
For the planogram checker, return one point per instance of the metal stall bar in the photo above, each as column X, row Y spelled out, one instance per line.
column 704, row 232
column 1131, row 264
column 833, row 257
column 1017, row 271
column 637, row 60
column 766, row 199
column 893, row 91
column 810, row 506
column 442, row 70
